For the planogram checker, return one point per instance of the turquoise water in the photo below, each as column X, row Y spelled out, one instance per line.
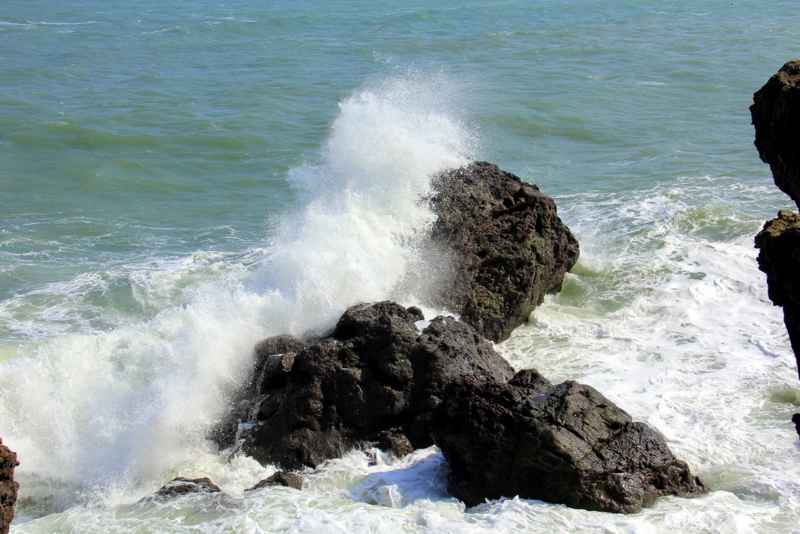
column 180, row 179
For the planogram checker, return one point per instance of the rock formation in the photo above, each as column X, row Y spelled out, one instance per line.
column 182, row 486
column 385, row 377
column 505, row 243
column 562, row 444
column 779, row 258
column 374, row 382
column 8, row 487
column 388, row 378
column 776, row 117
column 280, row 478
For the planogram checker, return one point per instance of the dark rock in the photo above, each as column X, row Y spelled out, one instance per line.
column 374, row 382
column 8, row 487
column 182, row 486
column 273, row 359
column 776, row 116
column 395, row 441
column 562, row 444
column 779, row 258
column 280, row 478
column 505, row 245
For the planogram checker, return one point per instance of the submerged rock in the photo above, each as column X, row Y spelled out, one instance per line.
column 280, row 478
column 561, row 444
column 182, row 486
column 8, row 487
column 776, row 118
column 505, row 245
column 374, row 382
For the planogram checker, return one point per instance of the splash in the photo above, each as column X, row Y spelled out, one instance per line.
column 361, row 229
column 111, row 414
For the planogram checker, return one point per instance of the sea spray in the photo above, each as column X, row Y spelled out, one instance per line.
column 364, row 225
column 106, row 414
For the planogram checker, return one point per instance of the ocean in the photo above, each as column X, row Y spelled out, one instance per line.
column 179, row 180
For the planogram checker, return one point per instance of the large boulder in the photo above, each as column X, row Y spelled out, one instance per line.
column 8, row 487
column 374, row 382
column 505, row 245
column 562, row 444
column 776, row 117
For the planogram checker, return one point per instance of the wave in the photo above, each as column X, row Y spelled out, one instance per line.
column 112, row 414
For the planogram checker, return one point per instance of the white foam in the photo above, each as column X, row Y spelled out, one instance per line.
column 357, row 238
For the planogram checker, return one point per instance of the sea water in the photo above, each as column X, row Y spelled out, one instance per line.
column 181, row 179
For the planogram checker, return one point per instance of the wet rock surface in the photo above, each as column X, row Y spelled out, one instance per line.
column 182, row 486
column 776, row 118
column 779, row 258
column 561, row 443
column 280, row 478
column 505, row 246
column 387, row 378
column 374, row 382
column 8, row 487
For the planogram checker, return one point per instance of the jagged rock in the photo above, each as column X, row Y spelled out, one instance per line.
column 562, row 444
column 280, row 478
column 182, row 486
column 374, row 382
column 776, row 116
column 779, row 258
column 505, row 245
column 8, row 487
column 273, row 359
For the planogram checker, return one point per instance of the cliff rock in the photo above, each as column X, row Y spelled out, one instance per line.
column 779, row 258
column 505, row 245
column 776, row 118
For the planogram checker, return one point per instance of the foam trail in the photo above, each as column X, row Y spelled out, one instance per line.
column 113, row 414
